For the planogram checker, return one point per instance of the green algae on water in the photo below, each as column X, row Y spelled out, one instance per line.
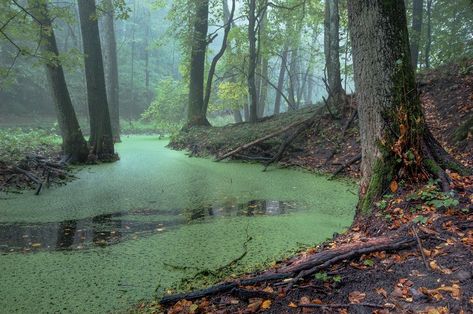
column 151, row 177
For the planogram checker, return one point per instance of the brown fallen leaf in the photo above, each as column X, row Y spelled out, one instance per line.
column 454, row 290
column 356, row 297
column 382, row 292
column 266, row 304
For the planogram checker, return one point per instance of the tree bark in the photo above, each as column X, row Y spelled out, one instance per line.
column 195, row 112
column 73, row 143
column 396, row 143
column 111, row 64
column 294, row 79
column 417, row 13
column 253, row 58
column 428, row 42
column 228, row 21
column 336, row 93
column 101, row 138
column 282, row 73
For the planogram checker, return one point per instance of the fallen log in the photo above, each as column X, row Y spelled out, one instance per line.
column 261, row 139
column 309, row 268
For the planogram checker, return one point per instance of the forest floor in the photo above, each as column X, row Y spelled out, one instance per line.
column 447, row 97
column 414, row 256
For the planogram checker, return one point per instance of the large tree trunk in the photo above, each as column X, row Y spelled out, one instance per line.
column 101, row 138
column 195, row 112
column 111, row 64
column 282, row 74
column 336, row 93
column 73, row 143
column 396, row 143
column 417, row 12
column 253, row 59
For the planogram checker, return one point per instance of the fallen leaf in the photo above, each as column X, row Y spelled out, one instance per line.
column 454, row 290
column 382, row 291
column 356, row 297
column 293, row 305
column 266, row 304
column 393, row 186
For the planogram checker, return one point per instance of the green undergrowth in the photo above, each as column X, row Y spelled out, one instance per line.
column 205, row 141
column 16, row 143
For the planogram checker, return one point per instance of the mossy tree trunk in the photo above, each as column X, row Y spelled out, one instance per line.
column 101, row 138
column 73, row 143
column 396, row 143
column 195, row 112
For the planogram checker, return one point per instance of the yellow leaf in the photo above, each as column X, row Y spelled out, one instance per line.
column 292, row 304
column 393, row 186
column 266, row 304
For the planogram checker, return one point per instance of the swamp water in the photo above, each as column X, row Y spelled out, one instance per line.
column 129, row 230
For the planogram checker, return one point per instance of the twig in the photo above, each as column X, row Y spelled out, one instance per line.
column 343, row 305
column 421, row 249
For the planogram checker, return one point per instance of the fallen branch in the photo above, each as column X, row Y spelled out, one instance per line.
column 379, row 306
column 261, row 139
column 346, row 165
column 391, row 246
column 283, row 147
column 320, row 261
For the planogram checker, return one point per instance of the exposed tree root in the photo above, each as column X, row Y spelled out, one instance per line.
column 344, row 132
column 318, row 262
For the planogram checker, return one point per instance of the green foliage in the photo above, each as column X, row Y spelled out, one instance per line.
column 17, row 143
column 322, row 276
column 432, row 196
column 368, row 262
column 169, row 105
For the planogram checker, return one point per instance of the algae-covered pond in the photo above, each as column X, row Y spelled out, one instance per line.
column 130, row 230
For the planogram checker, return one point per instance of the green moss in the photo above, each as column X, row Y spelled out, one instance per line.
column 432, row 166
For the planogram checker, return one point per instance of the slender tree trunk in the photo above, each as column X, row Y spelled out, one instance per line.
column 246, row 111
column 396, row 143
column 148, row 91
column 101, row 138
column 132, row 75
column 73, row 143
column 195, row 112
column 428, row 42
column 294, row 78
column 282, row 73
column 253, row 59
column 213, row 66
column 263, row 93
column 237, row 116
column 111, row 65
column 417, row 12
column 332, row 56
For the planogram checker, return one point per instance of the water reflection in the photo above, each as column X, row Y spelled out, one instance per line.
column 109, row 229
